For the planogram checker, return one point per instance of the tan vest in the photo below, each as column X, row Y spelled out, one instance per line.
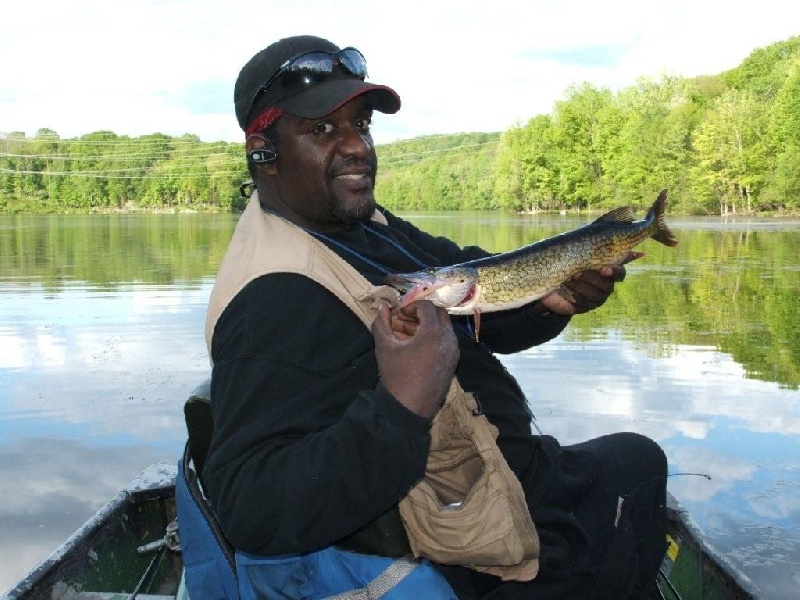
column 469, row 509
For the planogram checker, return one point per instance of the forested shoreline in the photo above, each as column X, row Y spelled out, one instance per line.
column 722, row 144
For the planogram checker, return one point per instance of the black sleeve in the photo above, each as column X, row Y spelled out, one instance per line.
column 299, row 416
column 505, row 332
column 515, row 330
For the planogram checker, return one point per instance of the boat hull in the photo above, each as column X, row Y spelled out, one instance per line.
column 103, row 555
column 693, row 569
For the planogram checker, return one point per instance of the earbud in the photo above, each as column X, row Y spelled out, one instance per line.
column 261, row 156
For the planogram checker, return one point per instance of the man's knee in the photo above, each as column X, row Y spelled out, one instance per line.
column 646, row 450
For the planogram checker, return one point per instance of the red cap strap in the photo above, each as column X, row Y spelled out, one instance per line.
column 263, row 120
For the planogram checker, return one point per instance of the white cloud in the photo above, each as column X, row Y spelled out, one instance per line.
column 169, row 66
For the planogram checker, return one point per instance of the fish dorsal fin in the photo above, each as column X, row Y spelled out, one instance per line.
column 623, row 214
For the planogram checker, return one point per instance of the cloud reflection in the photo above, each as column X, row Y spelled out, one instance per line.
column 709, row 418
column 50, row 487
column 620, row 385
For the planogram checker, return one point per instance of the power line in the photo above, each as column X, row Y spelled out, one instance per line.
column 151, row 160
column 411, row 157
column 200, row 160
column 113, row 157
column 5, row 137
column 166, row 158
column 103, row 175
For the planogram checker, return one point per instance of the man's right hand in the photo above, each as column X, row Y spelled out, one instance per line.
column 417, row 353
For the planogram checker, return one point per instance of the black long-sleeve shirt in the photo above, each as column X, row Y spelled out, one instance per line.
column 308, row 446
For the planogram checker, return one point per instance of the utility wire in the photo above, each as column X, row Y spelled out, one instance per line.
column 103, row 175
column 167, row 159
column 104, row 157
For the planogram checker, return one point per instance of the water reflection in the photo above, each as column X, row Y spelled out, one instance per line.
column 92, row 384
column 49, row 486
column 709, row 418
column 101, row 340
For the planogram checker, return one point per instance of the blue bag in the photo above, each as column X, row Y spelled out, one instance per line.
column 208, row 560
column 213, row 570
column 335, row 574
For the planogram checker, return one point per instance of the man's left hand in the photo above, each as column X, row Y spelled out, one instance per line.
column 590, row 289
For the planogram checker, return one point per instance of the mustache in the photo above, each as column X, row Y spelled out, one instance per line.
column 346, row 165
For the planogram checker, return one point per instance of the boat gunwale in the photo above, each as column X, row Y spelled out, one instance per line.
column 155, row 481
column 697, row 537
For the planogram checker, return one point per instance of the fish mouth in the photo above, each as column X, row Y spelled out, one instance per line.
column 470, row 295
column 422, row 290
column 450, row 288
column 416, row 286
column 413, row 288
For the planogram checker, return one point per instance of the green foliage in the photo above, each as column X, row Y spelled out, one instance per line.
column 443, row 172
column 721, row 144
column 101, row 172
column 577, row 129
column 729, row 148
column 764, row 71
column 524, row 175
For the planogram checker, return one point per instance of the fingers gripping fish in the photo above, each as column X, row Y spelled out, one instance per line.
column 513, row 279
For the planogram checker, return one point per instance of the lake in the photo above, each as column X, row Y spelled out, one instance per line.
column 101, row 341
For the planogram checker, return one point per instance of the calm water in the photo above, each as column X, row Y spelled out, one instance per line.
column 101, row 340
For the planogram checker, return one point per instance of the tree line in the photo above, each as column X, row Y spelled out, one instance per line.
column 723, row 144
column 103, row 171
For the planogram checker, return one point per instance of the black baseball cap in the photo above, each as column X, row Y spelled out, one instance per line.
column 312, row 100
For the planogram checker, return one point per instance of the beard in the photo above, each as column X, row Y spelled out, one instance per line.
column 351, row 212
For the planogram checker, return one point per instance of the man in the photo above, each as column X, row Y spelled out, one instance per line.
column 323, row 394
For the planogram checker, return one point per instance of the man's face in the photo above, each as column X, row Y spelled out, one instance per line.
column 325, row 173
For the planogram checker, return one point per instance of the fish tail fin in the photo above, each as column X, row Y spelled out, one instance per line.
column 662, row 232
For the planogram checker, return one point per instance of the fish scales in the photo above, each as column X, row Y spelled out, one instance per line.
column 512, row 279
column 540, row 268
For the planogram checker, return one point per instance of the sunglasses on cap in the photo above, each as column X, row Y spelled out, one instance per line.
column 311, row 68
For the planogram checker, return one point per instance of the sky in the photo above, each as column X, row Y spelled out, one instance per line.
column 169, row 66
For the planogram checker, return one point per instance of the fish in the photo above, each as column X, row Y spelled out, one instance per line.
column 518, row 277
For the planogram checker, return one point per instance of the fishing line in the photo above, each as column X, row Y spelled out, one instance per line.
column 670, row 586
column 377, row 266
column 705, row 475
column 386, row 238
column 149, row 571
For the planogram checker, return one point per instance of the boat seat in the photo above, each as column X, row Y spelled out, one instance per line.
column 199, row 424
column 206, row 550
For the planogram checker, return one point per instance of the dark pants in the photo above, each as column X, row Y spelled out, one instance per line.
column 599, row 509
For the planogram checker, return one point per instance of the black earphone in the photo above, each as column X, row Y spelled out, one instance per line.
column 262, row 156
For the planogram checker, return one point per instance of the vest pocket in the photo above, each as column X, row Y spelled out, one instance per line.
column 454, row 474
column 469, row 509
